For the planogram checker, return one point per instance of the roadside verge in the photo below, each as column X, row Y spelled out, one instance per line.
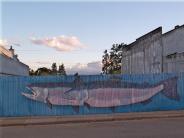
column 46, row 120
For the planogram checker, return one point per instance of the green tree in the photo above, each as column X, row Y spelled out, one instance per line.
column 61, row 70
column 111, row 62
column 42, row 71
column 31, row 72
column 115, row 57
column 46, row 71
column 105, row 62
column 54, row 69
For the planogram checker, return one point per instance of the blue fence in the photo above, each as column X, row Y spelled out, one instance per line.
column 93, row 94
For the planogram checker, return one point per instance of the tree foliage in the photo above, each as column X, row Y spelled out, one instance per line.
column 54, row 68
column 111, row 61
column 43, row 71
column 61, row 70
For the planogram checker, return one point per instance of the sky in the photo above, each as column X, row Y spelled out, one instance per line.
column 77, row 33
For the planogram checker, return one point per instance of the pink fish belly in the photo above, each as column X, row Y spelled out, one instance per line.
column 57, row 98
column 62, row 101
column 109, row 97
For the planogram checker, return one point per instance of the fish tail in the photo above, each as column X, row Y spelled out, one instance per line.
column 170, row 88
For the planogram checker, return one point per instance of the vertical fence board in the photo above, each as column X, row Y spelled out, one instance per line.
column 93, row 94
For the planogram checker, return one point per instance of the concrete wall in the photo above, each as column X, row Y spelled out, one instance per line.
column 174, row 63
column 173, row 43
column 8, row 66
column 144, row 55
column 151, row 53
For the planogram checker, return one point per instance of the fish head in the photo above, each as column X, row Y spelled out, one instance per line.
column 37, row 93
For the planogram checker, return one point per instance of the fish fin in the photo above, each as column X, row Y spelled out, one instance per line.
column 76, row 109
column 113, row 108
column 76, row 78
column 76, row 74
column 146, row 102
column 87, row 105
column 78, row 82
column 68, row 91
column 68, row 96
column 49, row 103
column 170, row 88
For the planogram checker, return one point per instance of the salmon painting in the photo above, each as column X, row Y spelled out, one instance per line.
column 102, row 93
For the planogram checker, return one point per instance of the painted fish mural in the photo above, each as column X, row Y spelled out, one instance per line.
column 102, row 93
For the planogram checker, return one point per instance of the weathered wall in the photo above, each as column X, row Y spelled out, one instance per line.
column 173, row 44
column 94, row 94
column 173, row 41
column 144, row 55
column 174, row 63
column 10, row 67
column 151, row 53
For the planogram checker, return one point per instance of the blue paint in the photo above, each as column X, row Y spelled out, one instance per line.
column 13, row 103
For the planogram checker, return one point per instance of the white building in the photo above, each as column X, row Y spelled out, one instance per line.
column 10, row 64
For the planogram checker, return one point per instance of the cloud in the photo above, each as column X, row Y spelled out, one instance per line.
column 85, row 69
column 7, row 43
column 3, row 43
column 16, row 44
column 60, row 43
column 38, row 64
column 42, row 62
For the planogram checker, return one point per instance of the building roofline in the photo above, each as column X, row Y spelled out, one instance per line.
column 159, row 29
column 176, row 27
column 6, row 53
column 14, row 60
